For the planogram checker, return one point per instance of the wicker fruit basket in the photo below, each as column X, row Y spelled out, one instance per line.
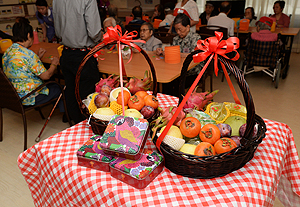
column 98, row 126
column 219, row 165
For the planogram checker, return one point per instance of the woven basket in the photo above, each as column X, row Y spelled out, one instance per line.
column 98, row 126
column 219, row 165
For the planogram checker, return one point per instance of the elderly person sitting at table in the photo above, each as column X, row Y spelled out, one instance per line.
column 146, row 34
column 25, row 70
column 263, row 26
column 185, row 38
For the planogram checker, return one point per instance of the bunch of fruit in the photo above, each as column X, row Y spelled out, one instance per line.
column 107, row 99
column 208, row 140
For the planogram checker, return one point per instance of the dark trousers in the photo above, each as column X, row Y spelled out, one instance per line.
column 69, row 63
column 54, row 92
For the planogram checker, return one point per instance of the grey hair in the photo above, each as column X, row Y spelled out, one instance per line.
column 113, row 21
column 263, row 26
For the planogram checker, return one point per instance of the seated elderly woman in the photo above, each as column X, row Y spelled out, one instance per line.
column 146, row 34
column 185, row 38
column 263, row 26
column 24, row 68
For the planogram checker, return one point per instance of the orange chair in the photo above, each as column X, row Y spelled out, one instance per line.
column 146, row 18
column 235, row 20
column 128, row 19
column 156, row 23
column 244, row 24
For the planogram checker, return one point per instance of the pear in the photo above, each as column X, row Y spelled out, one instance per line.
column 133, row 113
column 235, row 123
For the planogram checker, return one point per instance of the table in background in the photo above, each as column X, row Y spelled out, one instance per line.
column 165, row 72
column 54, row 178
column 289, row 33
column 51, row 50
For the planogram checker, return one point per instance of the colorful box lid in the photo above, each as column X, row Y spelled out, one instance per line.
column 138, row 168
column 124, row 134
column 92, row 150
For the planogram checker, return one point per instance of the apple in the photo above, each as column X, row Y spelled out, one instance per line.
column 147, row 111
column 225, row 129
column 101, row 100
column 235, row 123
column 243, row 129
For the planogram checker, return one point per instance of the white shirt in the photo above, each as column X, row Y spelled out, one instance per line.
column 167, row 21
column 223, row 21
column 192, row 9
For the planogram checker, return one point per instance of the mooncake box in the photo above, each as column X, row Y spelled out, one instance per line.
column 125, row 137
column 92, row 156
column 138, row 173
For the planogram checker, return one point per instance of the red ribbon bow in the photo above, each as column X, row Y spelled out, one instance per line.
column 115, row 34
column 215, row 46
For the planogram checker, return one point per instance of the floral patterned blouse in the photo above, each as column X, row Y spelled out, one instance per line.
column 22, row 67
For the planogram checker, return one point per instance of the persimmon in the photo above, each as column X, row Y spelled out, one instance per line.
column 142, row 94
column 190, row 127
column 136, row 102
column 151, row 100
column 224, row 144
column 205, row 149
column 126, row 95
column 210, row 133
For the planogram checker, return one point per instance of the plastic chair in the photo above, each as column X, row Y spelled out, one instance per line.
column 156, row 23
column 11, row 100
column 128, row 19
column 263, row 56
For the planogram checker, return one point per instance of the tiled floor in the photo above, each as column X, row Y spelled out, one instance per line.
column 280, row 104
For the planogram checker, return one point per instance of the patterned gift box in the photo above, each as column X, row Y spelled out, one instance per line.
column 137, row 173
column 91, row 155
column 125, row 137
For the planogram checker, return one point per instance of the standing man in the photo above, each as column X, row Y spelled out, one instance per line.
column 78, row 24
column 222, row 20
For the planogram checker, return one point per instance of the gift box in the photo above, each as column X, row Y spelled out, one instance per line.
column 138, row 173
column 92, row 156
column 125, row 137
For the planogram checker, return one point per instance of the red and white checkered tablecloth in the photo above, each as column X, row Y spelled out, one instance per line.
column 54, row 178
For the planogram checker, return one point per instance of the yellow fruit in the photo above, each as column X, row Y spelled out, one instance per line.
column 104, row 114
column 115, row 92
column 92, row 107
column 188, row 149
column 174, row 131
column 133, row 113
column 105, row 111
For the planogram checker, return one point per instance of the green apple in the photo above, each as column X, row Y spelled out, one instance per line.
column 235, row 122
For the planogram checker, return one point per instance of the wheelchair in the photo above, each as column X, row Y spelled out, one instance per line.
column 264, row 56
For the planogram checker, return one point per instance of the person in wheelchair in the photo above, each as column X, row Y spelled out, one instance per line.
column 263, row 26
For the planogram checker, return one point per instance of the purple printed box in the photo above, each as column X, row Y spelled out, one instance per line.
column 138, row 173
column 125, row 137
column 91, row 155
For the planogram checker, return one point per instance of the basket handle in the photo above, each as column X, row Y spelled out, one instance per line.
column 97, row 48
column 247, row 139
